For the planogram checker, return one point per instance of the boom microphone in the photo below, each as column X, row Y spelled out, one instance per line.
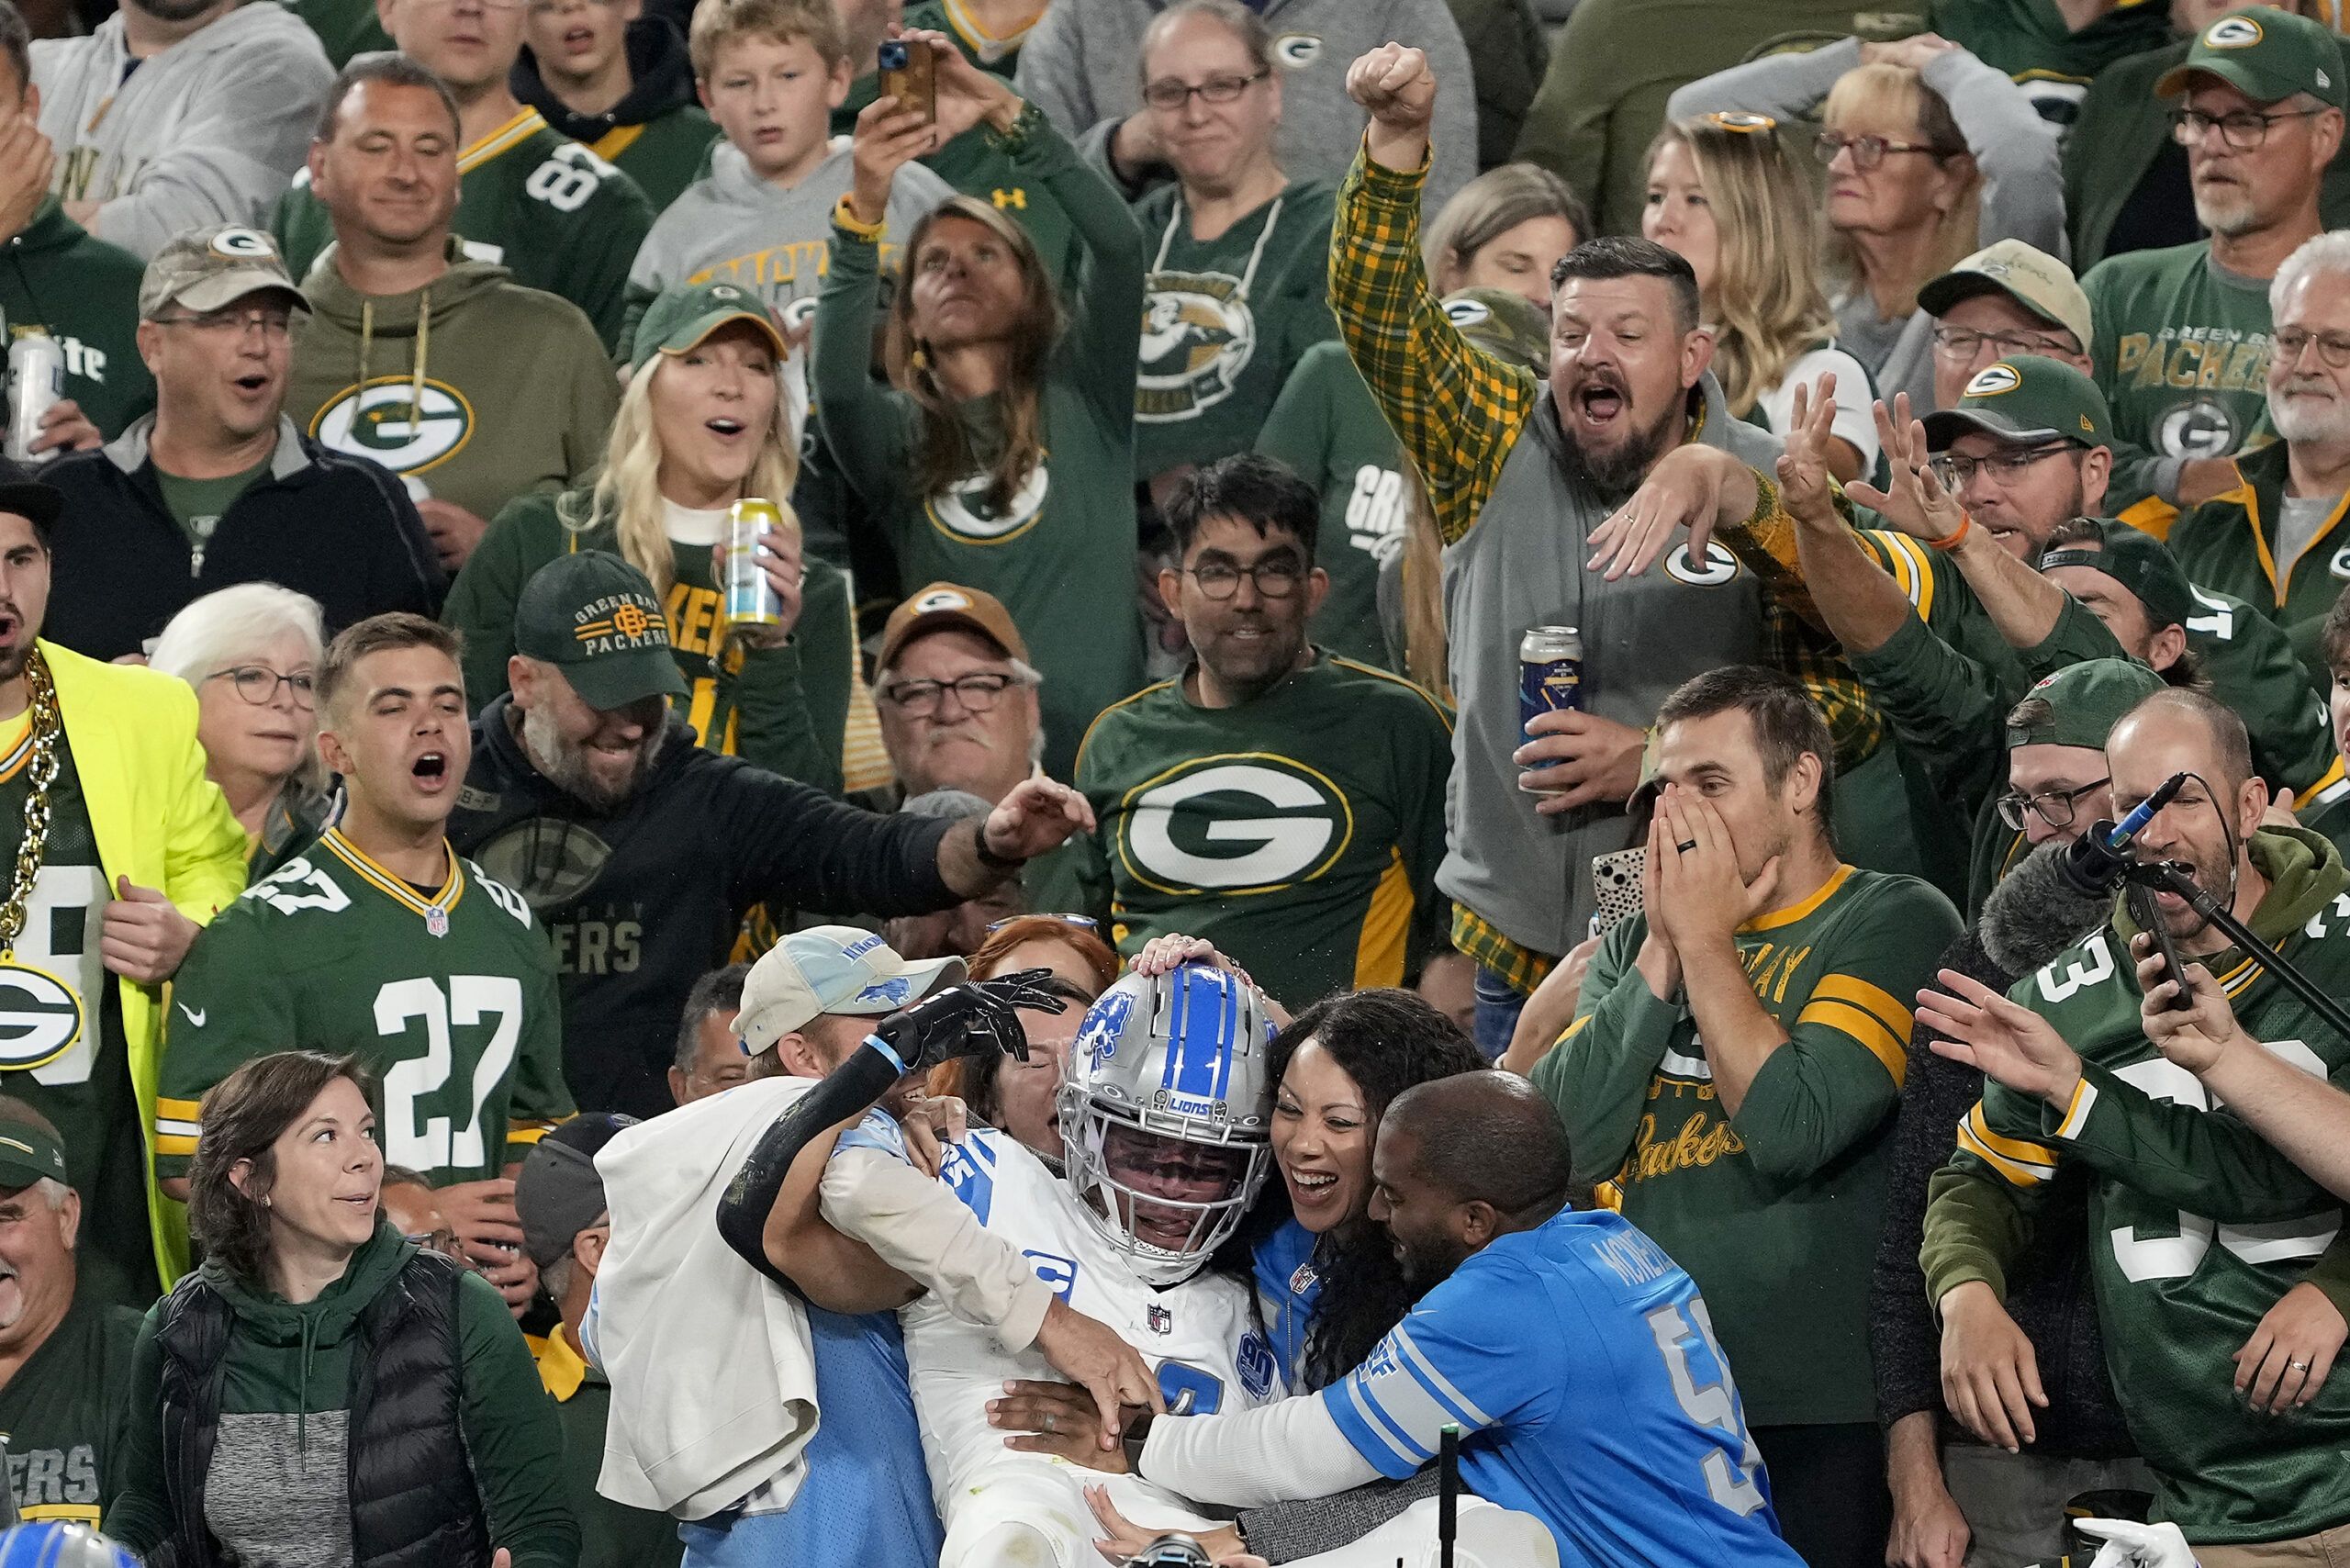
column 2063, row 891
column 2099, row 861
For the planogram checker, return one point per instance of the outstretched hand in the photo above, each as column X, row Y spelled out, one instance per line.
column 1917, row 504
column 2009, row 1044
column 1804, row 486
column 971, row 1018
column 1686, row 489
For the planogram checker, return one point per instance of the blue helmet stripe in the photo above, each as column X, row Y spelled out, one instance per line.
column 1196, row 1050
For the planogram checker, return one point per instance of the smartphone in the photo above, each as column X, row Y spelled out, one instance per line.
column 2149, row 916
column 906, row 76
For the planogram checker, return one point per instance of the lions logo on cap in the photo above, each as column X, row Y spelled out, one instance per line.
column 1993, row 379
column 380, row 422
column 244, row 244
column 940, row 599
column 1297, row 51
column 2232, row 32
column 1198, row 335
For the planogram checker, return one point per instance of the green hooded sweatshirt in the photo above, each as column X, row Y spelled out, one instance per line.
column 57, row 276
column 278, row 1487
column 473, row 388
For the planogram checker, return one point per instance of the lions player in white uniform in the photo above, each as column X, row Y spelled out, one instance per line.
column 1165, row 1117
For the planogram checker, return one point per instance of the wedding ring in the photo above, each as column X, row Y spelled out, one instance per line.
column 1049, row 1423
column 1685, row 846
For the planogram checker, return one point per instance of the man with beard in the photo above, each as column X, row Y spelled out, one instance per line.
column 178, row 114
column 122, row 848
column 1521, row 476
column 2183, row 334
column 1285, row 805
column 641, row 851
column 2273, row 540
column 2197, row 1226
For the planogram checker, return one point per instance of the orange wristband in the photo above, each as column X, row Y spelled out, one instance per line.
column 1965, row 527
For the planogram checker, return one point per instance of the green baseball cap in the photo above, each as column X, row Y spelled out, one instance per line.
column 2085, row 701
column 27, row 1154
column 2266, row 54
column 596, row 619
column 682, row 316
column 201, row 270
column 2024, row 400
column 1508, row 326
column 2136, row 560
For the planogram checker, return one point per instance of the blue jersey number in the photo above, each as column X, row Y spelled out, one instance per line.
column 1189, row 1391
column 1677, row 1330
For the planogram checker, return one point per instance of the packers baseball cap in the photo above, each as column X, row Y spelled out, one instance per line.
column 2136, row 560
column 831, row 969
column 27, row 1154
column 201, row 270
column 2085, row 701
column 2266, row 54
column 943, row 605
column 1507, row 325
column 682, row 316
column 2031, row 277
column 2025, row 400
column 22, row 493
column 559, row 1193
column 596, row 618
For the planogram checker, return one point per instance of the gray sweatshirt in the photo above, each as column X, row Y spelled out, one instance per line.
column 208, row 131
column 2023, row 183
column 1080, row 66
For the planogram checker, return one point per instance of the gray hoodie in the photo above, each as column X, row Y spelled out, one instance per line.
column 208, row 131
column 1080, row 65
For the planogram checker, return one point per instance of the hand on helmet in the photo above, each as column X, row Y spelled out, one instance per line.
column 968, row 1019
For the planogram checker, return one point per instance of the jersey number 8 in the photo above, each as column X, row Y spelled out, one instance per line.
column 567, row 179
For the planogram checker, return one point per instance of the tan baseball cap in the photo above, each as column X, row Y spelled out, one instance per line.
column 2032, row 279
column 831, row 969
column 943, row 605
column 201, row 270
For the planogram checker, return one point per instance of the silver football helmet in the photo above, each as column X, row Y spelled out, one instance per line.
column 1167, row 1083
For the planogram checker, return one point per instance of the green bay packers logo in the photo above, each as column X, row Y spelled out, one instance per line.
column 2231, row 32
column 379, row 422
column 550, row 862
column 1197, row 337
column 963, row 513
column 40, row 1017
column 1297, row 51
column 1238, row 823
column 2340, row 565
column 244, row 245
column 2202, row 428
column 1993, row 379
column 1718, row 567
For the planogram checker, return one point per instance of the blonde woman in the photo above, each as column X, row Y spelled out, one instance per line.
column 704, row 423
column 1723, row 196
column 1505, row 229
column 1931, row 155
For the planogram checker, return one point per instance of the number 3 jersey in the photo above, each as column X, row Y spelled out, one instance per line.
column 1201, row 1336
column 448, row 999
column 2197, row 1226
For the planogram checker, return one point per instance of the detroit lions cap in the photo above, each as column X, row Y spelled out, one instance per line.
column 202, row 270
column 30, row 1154
column 2031, row 277
column 831, row 969
column 596, row 619
column 2266, row 54
column 942, row 606
column 2024, row 401
column 682, row 316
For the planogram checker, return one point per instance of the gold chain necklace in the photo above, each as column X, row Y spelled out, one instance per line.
column 47, row 727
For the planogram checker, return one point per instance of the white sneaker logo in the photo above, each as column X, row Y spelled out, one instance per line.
column 193, row 1016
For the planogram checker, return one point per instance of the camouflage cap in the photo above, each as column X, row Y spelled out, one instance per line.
column 204, row 270
column 1508, row 326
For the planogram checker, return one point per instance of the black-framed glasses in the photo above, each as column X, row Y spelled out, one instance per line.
column 1956, row 473
column 2056, row 807
column 1169, row 95
column 2243, row 129
column 1084, row 921
column 2333, row 348
column 1962, row 344
column 1868, row 152
column 977, row 693
column 1220, row 579
column 257, row 684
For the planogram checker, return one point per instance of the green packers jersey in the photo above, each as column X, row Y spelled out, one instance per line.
column 1224, row 322
column 541, row 206
column 1299, row 831
column 60, row 1410
column 663, row 155
column 1326, row 425
column 2197, row 1225
column 2229, row 544
column 62, row 1045
column 2182, row 357
column 1774, row 1211
column 448, row 999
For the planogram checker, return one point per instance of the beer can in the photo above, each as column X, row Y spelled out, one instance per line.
column 1550, row 672
column 750, row 601
column 36, row 384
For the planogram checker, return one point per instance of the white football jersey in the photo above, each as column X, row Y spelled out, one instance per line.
column 1200, row 1336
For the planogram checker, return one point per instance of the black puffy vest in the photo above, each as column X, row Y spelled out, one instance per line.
column 411, row 1491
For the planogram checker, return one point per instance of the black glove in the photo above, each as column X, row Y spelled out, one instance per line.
column 974, row 1018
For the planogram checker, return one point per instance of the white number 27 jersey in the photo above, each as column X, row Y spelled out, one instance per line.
column 1200, row 1336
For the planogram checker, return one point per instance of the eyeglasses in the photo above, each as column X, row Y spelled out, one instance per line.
column 258, row 684
column 2243, row 129
column 2004, row 468
column 1086, row 921
column 1960, row 344
column 443, row 1241
column 1868, row 152
column 233, row 323
column 977, row 693
column 2056, row 807
column 1169, row 94
column 2334, row 348
column 1220, row 579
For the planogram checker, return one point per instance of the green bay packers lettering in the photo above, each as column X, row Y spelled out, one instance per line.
column 392, row 421
column 1375, row 512
column 2194, row 359
column 1198, row 335
column 1235, row 825
column 56, row 1484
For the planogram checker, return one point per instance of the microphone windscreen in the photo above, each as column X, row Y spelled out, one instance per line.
column 2037, row 911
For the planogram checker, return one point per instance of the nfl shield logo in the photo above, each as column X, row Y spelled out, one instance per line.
column 1161, row 1320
